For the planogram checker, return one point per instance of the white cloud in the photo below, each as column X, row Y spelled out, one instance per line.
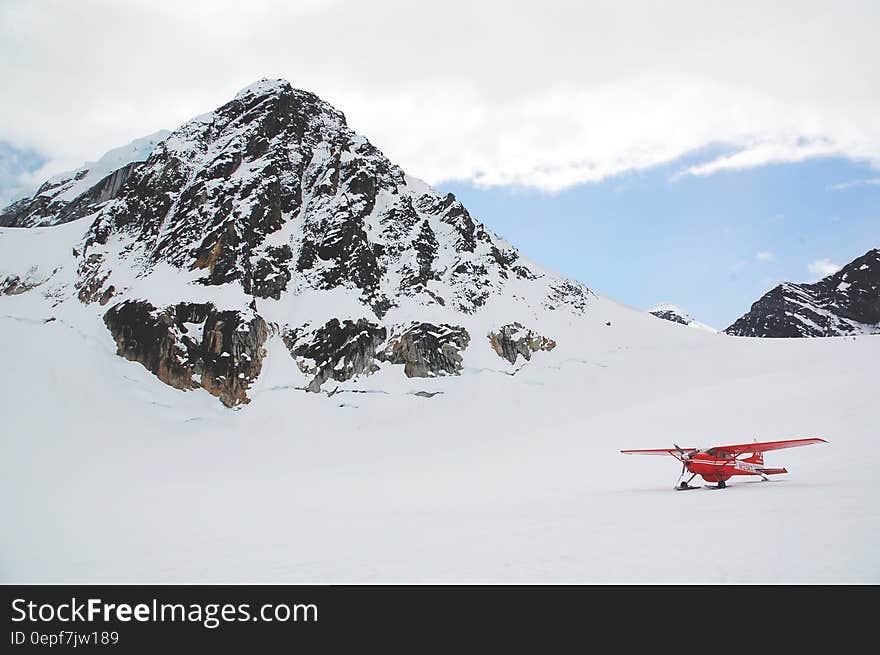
column 770, row 152
column 855, row 183
column 765, row 256
column 822, row 268
column 545, row 95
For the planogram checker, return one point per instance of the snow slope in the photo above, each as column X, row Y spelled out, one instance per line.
column 112, row 476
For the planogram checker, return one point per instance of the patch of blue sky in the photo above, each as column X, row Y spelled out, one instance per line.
column 15, row 166
column 712, row 245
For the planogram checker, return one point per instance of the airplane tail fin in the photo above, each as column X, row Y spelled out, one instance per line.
column 758, row 460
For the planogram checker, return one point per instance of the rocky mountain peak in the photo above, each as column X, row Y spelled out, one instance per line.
column 271, row 216
column 843, row 303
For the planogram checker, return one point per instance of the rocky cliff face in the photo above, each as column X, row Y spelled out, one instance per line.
column 343, row 350
column 271, row 215
column 514, row 340
column 427, row 350
column 845, row 303
column 191, row 345
column 336, row 350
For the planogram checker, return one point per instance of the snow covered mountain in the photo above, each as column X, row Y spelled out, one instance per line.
column 675, row 314
column 268, row 218
column 75, row 194
column 264, row 250
column 844, row 303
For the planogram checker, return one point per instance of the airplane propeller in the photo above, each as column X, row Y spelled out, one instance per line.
column 684, row 458
column 684, row 455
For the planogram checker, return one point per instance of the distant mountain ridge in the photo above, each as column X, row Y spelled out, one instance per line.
column 844, row 303
column 68, row 196
column 675, row 314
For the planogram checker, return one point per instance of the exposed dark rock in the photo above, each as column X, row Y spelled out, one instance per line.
column 454, row 213
column 474, row 286
column 92, row 200
column 341, row 244
column 191, row 345
column 427, row 350
column 669, row 315
column 513, row 340
column 231, row 354
column 338, row 351
column 91, row 280
column 504, row 258
column 380, row 305
column 15, row 215
column 397, row 225
column 426, row 249
column 524, row 272
column 674, row 314
column 847, row 302
column 271, row 273
column 566, row 292
column 343, row 350
column 427, row 394
column 13, row 285
column 146, row 335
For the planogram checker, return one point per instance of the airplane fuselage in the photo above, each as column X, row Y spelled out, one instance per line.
column 719, row 468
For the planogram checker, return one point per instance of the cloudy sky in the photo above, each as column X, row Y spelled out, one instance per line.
column 644, row 131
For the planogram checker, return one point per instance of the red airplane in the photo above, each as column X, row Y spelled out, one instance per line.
column 720, row 463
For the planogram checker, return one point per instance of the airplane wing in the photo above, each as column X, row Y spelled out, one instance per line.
column 763, row 446
column 657, row 451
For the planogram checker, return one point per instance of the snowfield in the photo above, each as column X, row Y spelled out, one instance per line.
column 111, row 476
